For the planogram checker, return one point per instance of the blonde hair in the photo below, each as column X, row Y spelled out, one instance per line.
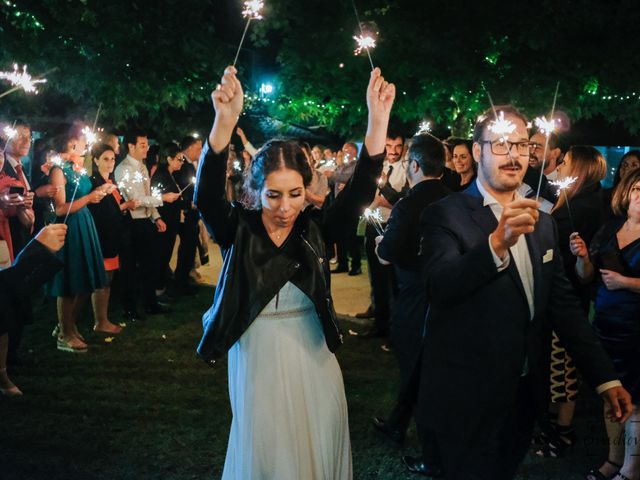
column 622, row 193
column 588, row 166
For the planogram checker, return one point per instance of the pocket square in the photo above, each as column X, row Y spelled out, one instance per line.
column 548, row 256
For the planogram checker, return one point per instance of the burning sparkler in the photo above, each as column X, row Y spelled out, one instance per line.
column 374, row 218
column 236, row 166
column 252, row 11
column 424, row 127
column 21, row 80
column 546, row 143
column 501, row 126
column 545, row 126
column 364, row 41
column 91, row 137
column 81, row 173
column 562, row 185
column 10, row 133
column 191, row 183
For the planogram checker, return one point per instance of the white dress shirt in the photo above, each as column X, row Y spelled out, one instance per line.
column 397, row 180
column 133, row 181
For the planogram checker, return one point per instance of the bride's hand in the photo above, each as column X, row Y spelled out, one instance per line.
column 227, row 100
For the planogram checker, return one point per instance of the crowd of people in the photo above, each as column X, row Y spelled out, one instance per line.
column 483, row 274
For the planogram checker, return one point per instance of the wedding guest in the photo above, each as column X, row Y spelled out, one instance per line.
column 107, row 216
column 463, row 161
column 163, row 181
column 629, row 162
column 613, row 259
column 273, row 312
column 578, row 209
column 83, row 271
column 32, row 267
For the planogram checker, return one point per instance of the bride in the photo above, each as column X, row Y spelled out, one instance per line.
column 272, row 311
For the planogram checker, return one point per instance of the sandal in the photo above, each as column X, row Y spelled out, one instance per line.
column 65, row 346
column 596, row 474
column 559, row 440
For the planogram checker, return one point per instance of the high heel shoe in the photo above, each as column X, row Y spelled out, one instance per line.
column 595, row 474
column 558, row 441
column 12, row 391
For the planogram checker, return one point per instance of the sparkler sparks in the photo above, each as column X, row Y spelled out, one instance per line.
column 374, row 218
column 501, row 126
column 91, row 137
column 424, row 127
column 563, row 184
column 363, row 42
column 252, row 9
column 236, row 166
column 545, row 126
column 191, row 182
column 21, row 79
column 10, row 133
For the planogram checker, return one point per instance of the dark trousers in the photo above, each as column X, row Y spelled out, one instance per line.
column 350, row 244
column 166, row 242
column 188, row 232
column 382, row 279
column 400, row 416
column 140, row 244
column 500, row 444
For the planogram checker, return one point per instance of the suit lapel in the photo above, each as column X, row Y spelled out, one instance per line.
column 533, row 243
column 486, row 220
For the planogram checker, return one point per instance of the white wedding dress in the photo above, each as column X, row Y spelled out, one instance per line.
column 290, row 418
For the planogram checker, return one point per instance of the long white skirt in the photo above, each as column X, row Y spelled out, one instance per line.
column 290, row 418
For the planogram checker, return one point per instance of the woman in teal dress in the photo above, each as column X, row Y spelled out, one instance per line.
column 81, row 255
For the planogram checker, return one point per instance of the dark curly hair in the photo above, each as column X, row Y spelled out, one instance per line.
column 274, row 155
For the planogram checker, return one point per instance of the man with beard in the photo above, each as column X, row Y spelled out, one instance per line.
column 400, row 246
column 554, row 154
column 496, row 287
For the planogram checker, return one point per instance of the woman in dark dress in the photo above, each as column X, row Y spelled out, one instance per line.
column 613, row 259
column 163, row 183
column 273, row 312
column 107, row 215
column 629, row 162
column 581, row 213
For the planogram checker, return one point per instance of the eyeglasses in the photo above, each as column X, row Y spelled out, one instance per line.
column 503, row 147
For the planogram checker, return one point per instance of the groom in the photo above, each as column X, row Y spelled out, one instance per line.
column 496, row 288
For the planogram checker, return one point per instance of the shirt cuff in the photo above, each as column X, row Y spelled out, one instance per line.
column 606, row 386
column 501, row 263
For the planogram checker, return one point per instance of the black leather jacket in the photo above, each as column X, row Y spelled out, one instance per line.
column 254, row 269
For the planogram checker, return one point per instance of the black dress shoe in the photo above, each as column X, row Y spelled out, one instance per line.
column 132, row 315
column 416, row 465
column 156, row 310
column 340, row 270
column 368, row 313
column 355, row 271
column 394, row 434
column 374, row 332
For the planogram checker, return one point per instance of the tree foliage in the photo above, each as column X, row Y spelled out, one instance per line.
column 155, row 62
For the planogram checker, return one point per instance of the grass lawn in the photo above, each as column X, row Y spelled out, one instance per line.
column 144, row 407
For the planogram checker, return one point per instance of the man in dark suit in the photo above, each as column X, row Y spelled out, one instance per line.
column 188, row 230
column 400, row 246
column 496, row 287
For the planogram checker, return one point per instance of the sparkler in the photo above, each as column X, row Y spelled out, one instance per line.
column 157, row 192
column 81, row 173
column 500, row 125
column 191, row 183
column 562, row 185
column 10, row 132
column 251, row 11
column 236, row 166
column 546, row 143
column 374, row 218
column 20, row 80
column 364, row 42
column 91, row 137
column 424, row 127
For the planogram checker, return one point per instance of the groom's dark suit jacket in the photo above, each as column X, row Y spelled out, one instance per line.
column 479, row 330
